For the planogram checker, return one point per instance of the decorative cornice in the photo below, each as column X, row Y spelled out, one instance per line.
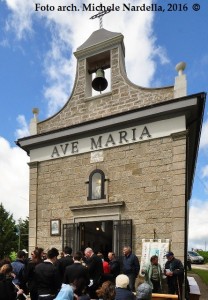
column 95, row 206
column 179, row 135
column 100, row 47
column 154, row 111
column 33, row 164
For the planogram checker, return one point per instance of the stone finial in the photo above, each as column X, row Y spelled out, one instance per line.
column 34, row 121
column 35, row 112
column 180, row 87
column 180, row 67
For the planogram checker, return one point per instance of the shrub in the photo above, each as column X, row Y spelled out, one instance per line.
column 205, row 255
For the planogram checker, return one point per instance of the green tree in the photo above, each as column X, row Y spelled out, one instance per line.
column 8, row 233
column 23, row 230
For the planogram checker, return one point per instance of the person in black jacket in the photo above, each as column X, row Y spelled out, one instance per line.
column 7, row 288
column 65, row 261
column 130, row 266
column 174, row 271
column 114, row 265
column 47, row 277
column 95, row 267
column 30, row 274
column 77, row 275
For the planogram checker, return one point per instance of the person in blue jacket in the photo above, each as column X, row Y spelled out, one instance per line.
column 130, row 266
column 65, row 293
column 122, row 288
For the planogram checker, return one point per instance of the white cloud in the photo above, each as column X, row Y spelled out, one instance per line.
column 204, row 175
column 4, row 43
column 198, row 223
column 58, row 70
column 14, row 180
column 205, row 171
column 23, row 130
column 20, row 20
column 204, row 135
column 161, row 52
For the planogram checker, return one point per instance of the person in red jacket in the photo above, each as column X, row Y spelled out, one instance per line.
column 106, row 268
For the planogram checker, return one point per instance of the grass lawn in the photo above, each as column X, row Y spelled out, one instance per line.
column 202, row 273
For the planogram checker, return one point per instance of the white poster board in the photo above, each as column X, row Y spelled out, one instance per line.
column 154, row 247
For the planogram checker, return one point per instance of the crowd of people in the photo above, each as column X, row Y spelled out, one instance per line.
column 85, row 276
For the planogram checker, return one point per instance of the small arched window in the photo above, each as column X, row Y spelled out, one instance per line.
column 96, row 185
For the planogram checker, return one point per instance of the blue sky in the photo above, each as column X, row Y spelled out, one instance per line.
column 37, row 69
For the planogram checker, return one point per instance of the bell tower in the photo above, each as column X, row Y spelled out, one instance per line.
column 99, row 57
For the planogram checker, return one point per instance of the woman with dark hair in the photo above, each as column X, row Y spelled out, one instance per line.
column 106, row 291
column 30, row 273
column 7, row 289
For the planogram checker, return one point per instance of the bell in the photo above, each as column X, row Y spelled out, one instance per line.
column 99, row 83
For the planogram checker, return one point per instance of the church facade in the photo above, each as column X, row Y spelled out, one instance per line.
column 113, row 168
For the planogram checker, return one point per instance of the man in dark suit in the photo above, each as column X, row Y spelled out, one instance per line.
column 65, row 261
column 95, row 267
column 77, row 275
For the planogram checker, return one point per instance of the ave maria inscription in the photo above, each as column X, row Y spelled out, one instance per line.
column 99, row 142
column 106, row 140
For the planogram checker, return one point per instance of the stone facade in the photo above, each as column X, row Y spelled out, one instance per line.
column 149, row 177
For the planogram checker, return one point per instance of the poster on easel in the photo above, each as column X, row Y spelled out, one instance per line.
column 154, row 247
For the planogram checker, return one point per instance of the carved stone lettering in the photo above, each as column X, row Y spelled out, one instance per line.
column 123, row 135
column 95, row 145
column 64, row 148
column 55, row 152
column 75, row 147
column 145, row 131
column 110, row 140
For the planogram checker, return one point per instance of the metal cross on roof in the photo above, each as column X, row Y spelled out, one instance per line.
column 100, row 15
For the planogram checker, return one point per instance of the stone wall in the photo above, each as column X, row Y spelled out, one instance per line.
column 149, row 176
